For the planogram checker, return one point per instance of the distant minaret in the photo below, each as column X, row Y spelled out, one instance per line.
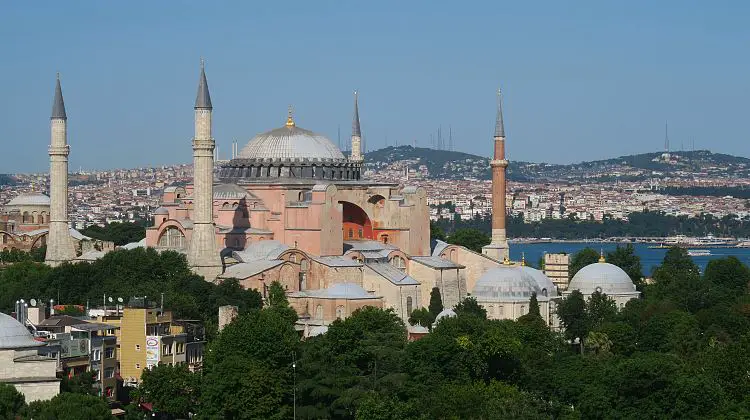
column 59, row 244
column 356, row 133
column 498, row 247
column 203, row 255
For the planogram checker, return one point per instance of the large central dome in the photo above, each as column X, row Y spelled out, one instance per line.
column 290, row 142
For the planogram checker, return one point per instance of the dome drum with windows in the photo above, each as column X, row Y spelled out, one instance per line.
column 290, row 152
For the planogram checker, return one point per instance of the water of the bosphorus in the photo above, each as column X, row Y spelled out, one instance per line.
column 650, row 258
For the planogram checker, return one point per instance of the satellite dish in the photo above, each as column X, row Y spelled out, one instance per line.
column 119, row 300
column 110, row 299
column 33, row 302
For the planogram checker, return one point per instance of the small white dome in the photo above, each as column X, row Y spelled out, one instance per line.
column 506, row 283
column 605, row 277
column 13, row 335
column 30, row 199
column 445, row 313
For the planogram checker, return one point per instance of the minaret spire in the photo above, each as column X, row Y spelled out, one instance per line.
column 203, row 99
column 58, row 105
column 59, row 244
column 499, row 125
column 498, row 247
column 356, row 155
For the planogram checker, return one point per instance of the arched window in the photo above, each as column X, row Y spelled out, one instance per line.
column 351, row 233
column 408, row 305
column 172, row 238
column 340, row 312
column 225, row 206
column 398, row 262
column 26, row 218
column 40, row 219
column 452, row 255
column 293, row 258
column 319, row 312
column 500, row 311
column 544, row 292
column 304, row 265
column 523, row 309
column 384, row 238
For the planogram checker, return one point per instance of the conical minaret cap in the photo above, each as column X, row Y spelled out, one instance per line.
column 58, row 106
column 356, row 131
column 499, row 125
column 203, row 99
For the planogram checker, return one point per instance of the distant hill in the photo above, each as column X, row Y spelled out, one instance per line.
column 6, row 179
column 445, row 164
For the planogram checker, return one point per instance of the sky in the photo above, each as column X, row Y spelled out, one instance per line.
column 581, row 80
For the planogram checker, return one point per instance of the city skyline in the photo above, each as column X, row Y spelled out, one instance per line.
column 129, row 87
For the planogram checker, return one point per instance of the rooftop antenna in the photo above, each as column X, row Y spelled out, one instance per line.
column 666, row 137
column 339, row 135
column 450, row 138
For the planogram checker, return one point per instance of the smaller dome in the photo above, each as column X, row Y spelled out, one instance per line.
column 13, row 335
column 445, row 313
column 506, row 283
column 541, row 279
column 161, row 210
column 605, row 277
column 30, row 199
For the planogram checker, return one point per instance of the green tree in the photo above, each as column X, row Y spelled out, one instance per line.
column 600, row 308
column 12, row 402
column 533, row 305
column 625, row 258
column 171, row 389
column 421, row 316
column 436, row 302
column 120, row 233
column 581, row 259
column 728, row 274
column 573, row 316
column 469, row 306
column 82, row 383
column 436, row 232
column 472, row 239
column 70, row 406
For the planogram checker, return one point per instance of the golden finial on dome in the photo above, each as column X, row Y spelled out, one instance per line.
column 506, row 260
column 601, row 256
column 523, row 259
column 289, row 119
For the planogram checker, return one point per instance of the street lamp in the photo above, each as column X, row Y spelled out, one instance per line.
column 294, row 388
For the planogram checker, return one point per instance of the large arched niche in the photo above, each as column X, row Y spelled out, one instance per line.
column 356, row 224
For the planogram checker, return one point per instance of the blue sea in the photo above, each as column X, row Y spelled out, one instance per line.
column 650, row 258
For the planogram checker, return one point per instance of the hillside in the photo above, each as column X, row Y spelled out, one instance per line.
column 444, row 164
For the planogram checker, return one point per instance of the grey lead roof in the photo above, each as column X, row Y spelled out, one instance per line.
column 203, row 99
column 499, row 125
column 58, row 106
column 356, row 131
column 436, row 262
column 392, row 274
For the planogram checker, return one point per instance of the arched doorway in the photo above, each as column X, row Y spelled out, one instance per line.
column 355, row 222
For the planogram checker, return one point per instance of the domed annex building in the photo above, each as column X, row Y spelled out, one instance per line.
column 505, row 291
column 21, row 364
column 605, row 278
column 24, row 221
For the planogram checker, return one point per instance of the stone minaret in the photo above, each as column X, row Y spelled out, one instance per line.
column 356, row 133
column 203, row 255
column 59, row 243
column 498, row 247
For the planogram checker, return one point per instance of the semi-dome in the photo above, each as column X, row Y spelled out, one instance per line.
column 506, row 283
column 29, row 199
column 161, row 210
column 546, row 285
column 13, row 335
column 291, row 142
column 602, row 276
column 445, row 313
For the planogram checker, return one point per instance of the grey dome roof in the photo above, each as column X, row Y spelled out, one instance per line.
column 445, row 313
column 291, row 142
column 13, row 335
column 30, row 199
column 506, row 283
column 161, row 210
column 541, row 280
column 610, row 278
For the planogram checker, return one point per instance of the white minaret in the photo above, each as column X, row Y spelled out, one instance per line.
column 356, row 155
column 203, row 255
column 59, row 243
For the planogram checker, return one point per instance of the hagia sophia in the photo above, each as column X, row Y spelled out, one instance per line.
column 291, row 207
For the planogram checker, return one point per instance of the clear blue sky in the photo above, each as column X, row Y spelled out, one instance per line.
column 582, row 79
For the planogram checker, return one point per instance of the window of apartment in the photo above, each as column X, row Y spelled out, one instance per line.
column 109, row 352
column 137, row 347
column 166, row 349
column 180, row 348
column 98, row 375
column 109, row 372
column 96, row 355
column 137, row 365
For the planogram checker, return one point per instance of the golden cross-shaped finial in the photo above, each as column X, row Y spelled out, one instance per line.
column 289, row 119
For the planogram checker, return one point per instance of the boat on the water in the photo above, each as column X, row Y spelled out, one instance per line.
column 699, row 252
